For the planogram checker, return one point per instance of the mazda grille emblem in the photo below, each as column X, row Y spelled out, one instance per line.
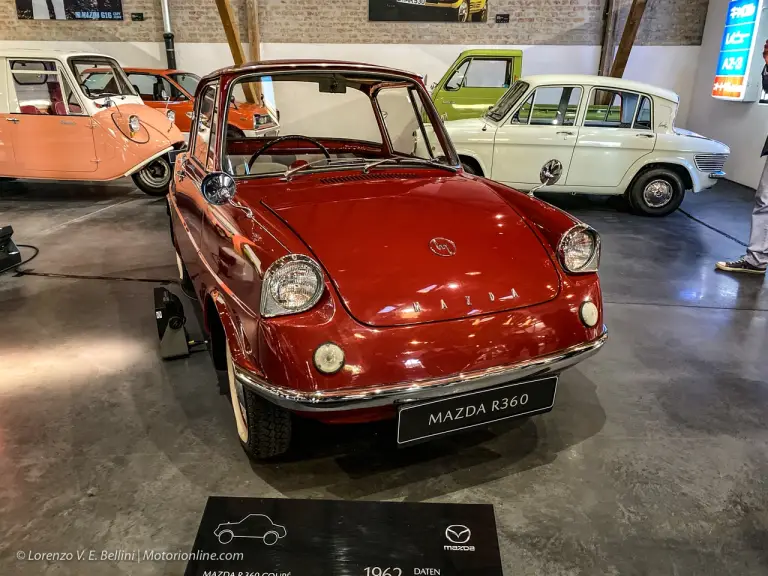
column 458, row 534
column 442, row 246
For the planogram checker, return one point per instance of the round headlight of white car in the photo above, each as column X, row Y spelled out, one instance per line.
column 292, row 284
column 328, row 358
column 579, row 249
column 134, row 124
column 171, row 115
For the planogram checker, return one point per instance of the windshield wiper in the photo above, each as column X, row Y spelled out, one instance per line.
column 398, row 160
column 339, row 161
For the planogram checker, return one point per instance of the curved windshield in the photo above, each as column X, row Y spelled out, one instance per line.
column 99, row 76
column 498, row 111
column 328, row 120
column 187, row 81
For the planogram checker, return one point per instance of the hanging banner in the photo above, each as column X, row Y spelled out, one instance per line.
column 736, row 77
column 69, row 9
column 281, row 537
column 428, row 10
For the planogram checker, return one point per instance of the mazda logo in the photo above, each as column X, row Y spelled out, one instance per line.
column 458, row 534
column 442, row 246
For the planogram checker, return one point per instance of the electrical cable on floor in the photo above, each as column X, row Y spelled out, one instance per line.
column 35, row 248
column 692, row 217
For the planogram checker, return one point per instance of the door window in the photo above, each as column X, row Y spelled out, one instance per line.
column 205, row 133
column 488, row 73
column 152, row 87
column 643, row 120
column 550, row 106
column 523, row 114
column 611, row 108
column 457, row 79
column 41, row 89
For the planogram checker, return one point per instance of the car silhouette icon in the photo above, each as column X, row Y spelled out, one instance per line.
column 252, row 526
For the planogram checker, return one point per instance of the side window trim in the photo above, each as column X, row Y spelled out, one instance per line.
column 618, row 91
column 63, row 75
column 526, row 97
column 639, row 108
column 468, row 62
column 196, row 122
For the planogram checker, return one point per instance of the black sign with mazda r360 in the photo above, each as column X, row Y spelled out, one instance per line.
column 281, row 537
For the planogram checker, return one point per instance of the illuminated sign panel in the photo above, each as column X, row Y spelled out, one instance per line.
column 734, row 66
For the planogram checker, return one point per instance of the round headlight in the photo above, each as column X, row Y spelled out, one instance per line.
column 292, row 284
column 329, row 358
column 171, row 115
column 579, row 250
column 134, row 124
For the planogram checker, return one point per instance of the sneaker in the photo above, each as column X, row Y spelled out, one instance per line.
column 740, row 265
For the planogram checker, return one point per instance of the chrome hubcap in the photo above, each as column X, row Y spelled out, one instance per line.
column 658, row 193
column 463, row 11
column 156, row 174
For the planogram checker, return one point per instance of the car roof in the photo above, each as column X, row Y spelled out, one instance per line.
column 45, row 53
column 267, row 66
column 607, row 81
column 161, row 71
column 490, row 52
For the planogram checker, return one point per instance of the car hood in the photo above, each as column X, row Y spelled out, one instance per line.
column 403, row 248
column 468, row 126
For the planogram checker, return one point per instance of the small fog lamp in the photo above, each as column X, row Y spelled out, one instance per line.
column 329, row 358
column 589, row 314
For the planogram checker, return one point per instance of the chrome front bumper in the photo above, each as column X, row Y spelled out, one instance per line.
column 417, row 390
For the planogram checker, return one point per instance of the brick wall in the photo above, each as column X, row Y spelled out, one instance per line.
column 666, row 22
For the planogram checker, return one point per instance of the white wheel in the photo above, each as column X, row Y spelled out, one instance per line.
column 226, row 536
column 271, row 538
column 237, row 396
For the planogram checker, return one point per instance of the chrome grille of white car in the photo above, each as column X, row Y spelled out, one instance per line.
column 710, row 162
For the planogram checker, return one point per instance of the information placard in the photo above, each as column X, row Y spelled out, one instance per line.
column 321, row 537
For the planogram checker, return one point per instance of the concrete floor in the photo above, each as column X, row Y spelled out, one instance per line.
column 654, row 460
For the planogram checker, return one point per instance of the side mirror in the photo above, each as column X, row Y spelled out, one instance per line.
column 549, row 175
column 551, row 172
column 218, row 188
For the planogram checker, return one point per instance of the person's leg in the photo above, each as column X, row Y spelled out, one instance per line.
column 757, row 253
column 756, row 259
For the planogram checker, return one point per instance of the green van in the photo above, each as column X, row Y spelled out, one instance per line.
column 475, row 81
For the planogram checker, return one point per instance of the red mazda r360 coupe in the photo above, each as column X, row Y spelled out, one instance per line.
column 350, row 271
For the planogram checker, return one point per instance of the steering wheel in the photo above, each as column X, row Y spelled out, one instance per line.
column 258, row 153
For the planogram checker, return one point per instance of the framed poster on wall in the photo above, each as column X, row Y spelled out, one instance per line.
column 69, row 9
column 428, row 10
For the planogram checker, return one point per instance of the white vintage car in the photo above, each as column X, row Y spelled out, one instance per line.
column 606, row 136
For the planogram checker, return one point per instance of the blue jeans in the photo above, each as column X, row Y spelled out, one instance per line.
column 757, row 253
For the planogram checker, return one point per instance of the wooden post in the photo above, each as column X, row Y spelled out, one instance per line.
column 233, row 39
column 610, row 15
column 628, row 38
column 254, row 38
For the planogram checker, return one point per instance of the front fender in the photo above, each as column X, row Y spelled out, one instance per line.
column 485, row 164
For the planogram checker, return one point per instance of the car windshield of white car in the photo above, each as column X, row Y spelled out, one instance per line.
column 498, row 111
column 323, row 120
column 100, row 77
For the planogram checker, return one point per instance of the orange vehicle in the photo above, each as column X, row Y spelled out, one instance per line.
column 61, row 121
column 175, row 90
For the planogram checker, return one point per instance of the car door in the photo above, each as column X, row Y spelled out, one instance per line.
column 52, row 133
column 617, row 131
column 189, row 200
column 540, row 129
column 474, row 85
